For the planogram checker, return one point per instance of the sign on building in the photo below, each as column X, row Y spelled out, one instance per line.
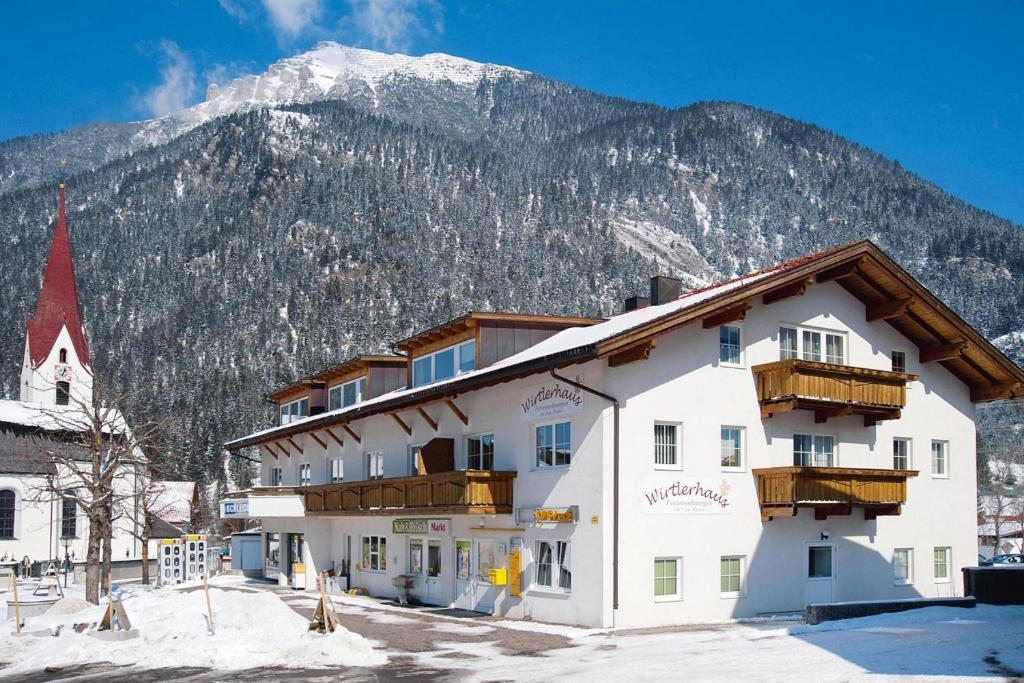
column 678, row 496
column 548, row 400
column 234, row 509
column 425, row 527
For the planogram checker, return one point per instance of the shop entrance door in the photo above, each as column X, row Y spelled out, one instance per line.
column 434, row 581
column 820, row 573
column 473, row 563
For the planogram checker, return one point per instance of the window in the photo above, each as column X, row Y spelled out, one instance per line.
column 819, row 561
column 729, row 340
column 336, row 470
column 787, row 343
column 732, row 576
column 294, row 410
column 414, row 458
column 63, row 356
column 941, row 564
column 899, row 361
column 416, row 556
column 939, row 461
column 813, row 450
column 444, row 364
column 808, row 345
column 666, row 578
column 732, row 448
column 903, row 566
column 305, row 474
column 347, row 394
column 554, row 444
column 553, row 568
column 485, row 560
column 666, row 445
column 480, row 452
column 901, row 454
column 69, row 515
column 375, row 553
column 276, row 478
column 434, row 558
column 7, row 512
column 375, row 465
column 63, row 393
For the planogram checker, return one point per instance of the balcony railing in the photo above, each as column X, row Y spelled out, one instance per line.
column 781, row 491
column 830, row 390
column 458, row 492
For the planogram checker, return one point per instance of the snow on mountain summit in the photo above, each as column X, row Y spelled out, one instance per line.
column 328, row 71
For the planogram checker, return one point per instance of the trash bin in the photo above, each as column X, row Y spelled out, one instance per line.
column 403, row 583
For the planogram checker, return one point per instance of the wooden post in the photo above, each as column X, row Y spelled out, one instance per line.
column 206, row 589
column 17, row 606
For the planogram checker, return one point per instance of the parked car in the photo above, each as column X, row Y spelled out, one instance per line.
column 982, row 560
column 1009, row 558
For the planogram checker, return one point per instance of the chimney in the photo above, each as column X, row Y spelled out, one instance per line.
column 664, row 289
column 635, row 302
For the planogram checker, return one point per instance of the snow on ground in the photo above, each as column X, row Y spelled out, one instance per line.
column 252, row 629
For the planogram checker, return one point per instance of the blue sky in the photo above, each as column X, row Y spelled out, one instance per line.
column 938, row 86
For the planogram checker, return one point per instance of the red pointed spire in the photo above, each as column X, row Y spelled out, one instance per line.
column 58, row 300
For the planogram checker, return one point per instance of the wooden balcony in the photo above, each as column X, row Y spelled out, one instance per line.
column 782, row 491
column 831, row 390
column 469, row 492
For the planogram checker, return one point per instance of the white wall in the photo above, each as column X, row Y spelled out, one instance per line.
column 38, row 385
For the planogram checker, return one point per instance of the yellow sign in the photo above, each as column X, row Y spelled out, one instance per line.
column 594, row 519
column 553, row 515
column 515, row 570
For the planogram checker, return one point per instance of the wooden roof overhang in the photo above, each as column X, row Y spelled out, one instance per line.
column 296, row 389
column 357, row 367
column 465, row 326
column 888, row 292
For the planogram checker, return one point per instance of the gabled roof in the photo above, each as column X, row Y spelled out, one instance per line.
column 58, row 304
column 172, row 501
column 474, row 318
column 860, row 267
column 361, row 362
column 30, row 454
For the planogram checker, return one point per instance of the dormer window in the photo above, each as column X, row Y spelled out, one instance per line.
column 444, row 364
column 294, row 410
column 63, row 355
column 347, row 394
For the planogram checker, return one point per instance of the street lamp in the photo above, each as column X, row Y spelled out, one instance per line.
column 67, row 559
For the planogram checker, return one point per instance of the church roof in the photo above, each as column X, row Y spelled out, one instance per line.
column 58, row 300
column 31, row 454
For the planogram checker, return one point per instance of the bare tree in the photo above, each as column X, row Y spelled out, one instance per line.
column 101, row 473
column 1001, row 499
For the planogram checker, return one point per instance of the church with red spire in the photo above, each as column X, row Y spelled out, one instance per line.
column 57, row 366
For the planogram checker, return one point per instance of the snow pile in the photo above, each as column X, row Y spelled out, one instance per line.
column 253, row 629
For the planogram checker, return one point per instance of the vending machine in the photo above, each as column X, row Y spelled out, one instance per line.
column 171, row 562
column 195, row 550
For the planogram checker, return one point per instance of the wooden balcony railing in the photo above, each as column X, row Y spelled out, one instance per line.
column 830, row 390
column 781, row 491
column 460, row 492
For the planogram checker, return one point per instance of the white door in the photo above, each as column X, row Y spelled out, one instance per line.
column 820, row 570
column 435, row 575
column 484, row 593
column 464, row 577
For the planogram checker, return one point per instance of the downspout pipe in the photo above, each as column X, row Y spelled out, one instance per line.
column 615, row 478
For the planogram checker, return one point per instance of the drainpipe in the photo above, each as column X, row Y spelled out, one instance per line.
column 615, row 479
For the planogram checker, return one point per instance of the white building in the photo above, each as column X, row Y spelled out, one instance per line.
column 800, row 434
column 56, row 380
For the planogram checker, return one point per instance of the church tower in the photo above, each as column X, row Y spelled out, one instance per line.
column 57, row 365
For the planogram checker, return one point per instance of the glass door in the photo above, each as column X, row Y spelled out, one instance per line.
column 464, row 574
column 821, row 574
column 435, row 584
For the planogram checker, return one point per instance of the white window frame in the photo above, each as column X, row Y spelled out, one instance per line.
column 896, row 579
column 480, row 437
column 276, row 476
column 742, row 562
column 948, row 551
column 906, row 358
column 556, row 566
column 668, row 597
column 339, row 390
column 457, row 354
column 677, row 446
column 743, row 449
column 554, row 443
column 293, row 418
column 910, row 453
column 382, row 553
column 945, row 459
column 304, row 474
column 801, row 352
column 335, row 475
column 814, row 451
column 742, row 350
column 374, row 465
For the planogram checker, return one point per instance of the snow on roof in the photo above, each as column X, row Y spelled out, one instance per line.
column 562, row 343
column 45, row 416
column 1006, row 528
column 172, row 501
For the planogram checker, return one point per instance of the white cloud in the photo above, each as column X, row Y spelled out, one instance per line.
column 291, row 18
column 392, row 24
column 177, row 84
column 235, row 8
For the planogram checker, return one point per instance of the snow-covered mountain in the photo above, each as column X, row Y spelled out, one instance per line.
column 328, row 71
